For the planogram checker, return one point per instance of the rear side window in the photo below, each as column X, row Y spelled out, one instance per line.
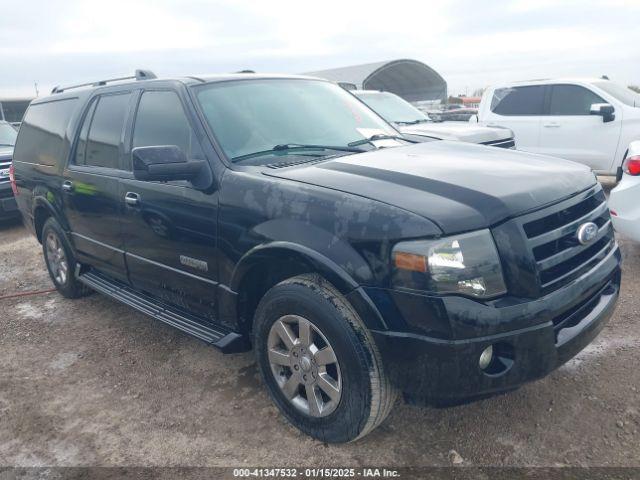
column 101, row 132
column 518, row 100
column 42, row 133
column 572, row 100
column 161, row 121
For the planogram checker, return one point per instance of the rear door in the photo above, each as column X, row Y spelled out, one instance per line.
column 91, row 187
column 570, row 131
column 170, row 230
column 521, row 110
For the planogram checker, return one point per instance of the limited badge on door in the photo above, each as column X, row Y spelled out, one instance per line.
column 194, row 263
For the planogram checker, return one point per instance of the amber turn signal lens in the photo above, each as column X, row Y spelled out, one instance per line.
column 410, row 261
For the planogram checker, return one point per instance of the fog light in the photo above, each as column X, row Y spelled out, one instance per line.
column 485, row 357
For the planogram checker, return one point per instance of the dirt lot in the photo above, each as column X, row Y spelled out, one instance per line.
column 92, row 382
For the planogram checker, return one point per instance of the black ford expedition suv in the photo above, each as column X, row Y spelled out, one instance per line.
column 263, row 212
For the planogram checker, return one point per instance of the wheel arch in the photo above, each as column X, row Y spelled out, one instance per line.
column 42, row 210
column 267, row 265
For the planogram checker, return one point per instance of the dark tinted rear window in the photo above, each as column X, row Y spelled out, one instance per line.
column 42, row 133
column 572, row 100
column 105, row 132
column 518, row 101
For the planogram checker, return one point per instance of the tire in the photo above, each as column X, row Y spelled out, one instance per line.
column 57, row 252
column 365, row 395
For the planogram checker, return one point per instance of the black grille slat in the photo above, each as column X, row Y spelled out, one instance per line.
column 508, row 143
column 562, row 218
column 568, row 228
column 4, row 164
column 559, row 257
column 571, row 268
column 566, row 253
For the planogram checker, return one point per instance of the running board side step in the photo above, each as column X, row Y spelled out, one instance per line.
column 220, row 337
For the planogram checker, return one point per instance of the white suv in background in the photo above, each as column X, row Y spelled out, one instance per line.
column 590, row 121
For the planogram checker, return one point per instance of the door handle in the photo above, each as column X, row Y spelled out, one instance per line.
column 67, row 186
column 132, row 199
column 551, row 125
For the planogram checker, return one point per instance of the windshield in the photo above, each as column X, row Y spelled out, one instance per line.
column 8, row 135
column 621, row 93
column 393, row 108
column 254, row 116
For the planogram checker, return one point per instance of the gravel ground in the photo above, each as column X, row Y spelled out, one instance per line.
column 92, row 382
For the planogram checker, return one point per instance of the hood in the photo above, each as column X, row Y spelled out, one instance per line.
column 460, row 131
column 458, row 186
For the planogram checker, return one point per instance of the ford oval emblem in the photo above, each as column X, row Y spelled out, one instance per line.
column 587, row 232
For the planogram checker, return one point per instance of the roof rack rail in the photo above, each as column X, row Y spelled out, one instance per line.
column 139, row 75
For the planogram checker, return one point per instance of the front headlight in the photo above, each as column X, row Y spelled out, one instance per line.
column 466, row 264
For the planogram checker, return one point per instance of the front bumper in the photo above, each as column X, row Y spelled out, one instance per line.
column 545, row 333
column 8, row 206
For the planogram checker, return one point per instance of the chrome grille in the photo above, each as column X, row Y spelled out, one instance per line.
column 4, row 167
column 551, row 235
column 504, row 143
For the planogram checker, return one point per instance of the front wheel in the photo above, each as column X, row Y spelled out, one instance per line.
column 319, row 362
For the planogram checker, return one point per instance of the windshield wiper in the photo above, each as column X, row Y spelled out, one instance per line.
column 297, row 146
column 7, row 145
column 380, row 136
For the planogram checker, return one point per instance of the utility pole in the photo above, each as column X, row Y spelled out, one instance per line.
column 35, row 85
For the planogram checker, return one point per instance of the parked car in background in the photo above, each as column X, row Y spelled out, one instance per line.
column 8, row 207
column 258, row 211
column 12, row 109
column 589, row 121
column 458, row 115
column 409, row 120
column 624, row 199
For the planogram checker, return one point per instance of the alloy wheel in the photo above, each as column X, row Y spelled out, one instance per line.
column 56, row 258
column 304, row 366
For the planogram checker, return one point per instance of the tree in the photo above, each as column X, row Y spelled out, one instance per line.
column 635, row 88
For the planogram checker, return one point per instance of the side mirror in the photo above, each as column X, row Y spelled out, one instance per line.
column 164, row 163
column 605, row 110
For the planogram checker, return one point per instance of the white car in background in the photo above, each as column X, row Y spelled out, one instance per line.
column 589, row 121
column 409, row 120
column 624, row 200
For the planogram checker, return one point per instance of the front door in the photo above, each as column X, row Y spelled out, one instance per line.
column 569, row 130
column 91, row 185
column 520, row 109
column 170, row 227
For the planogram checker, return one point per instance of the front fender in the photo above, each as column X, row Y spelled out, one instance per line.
column 284, row 250
column 316, row 262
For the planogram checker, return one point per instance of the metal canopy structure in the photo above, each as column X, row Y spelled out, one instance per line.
column 410, row 79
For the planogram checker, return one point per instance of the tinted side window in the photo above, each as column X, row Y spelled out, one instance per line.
column 518, row 101
column 161, row 121
column 105, row 131
column 572, row 100
column 41, row 138
column 81, row 147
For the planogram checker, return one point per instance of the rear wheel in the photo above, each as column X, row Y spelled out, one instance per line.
column 60, row 260
column 319, row 362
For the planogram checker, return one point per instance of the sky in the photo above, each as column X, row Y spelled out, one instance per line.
column 472, row 44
